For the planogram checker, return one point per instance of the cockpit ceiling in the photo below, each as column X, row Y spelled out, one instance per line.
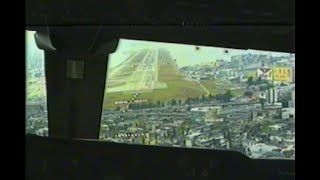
column 160, row 12
column 264, row 25
column 269, row 38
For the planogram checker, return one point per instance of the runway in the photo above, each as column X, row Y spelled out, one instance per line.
column 137, row 74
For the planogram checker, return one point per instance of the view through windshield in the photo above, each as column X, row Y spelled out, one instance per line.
column 201, row 97
column 36, row 97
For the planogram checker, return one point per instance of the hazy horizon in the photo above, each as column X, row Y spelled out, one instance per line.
column 185, row 54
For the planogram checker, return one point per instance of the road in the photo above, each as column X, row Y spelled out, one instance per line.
column 158, row 113
column 207, row 91
column 155, row 111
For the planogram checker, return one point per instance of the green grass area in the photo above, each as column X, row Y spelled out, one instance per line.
column 126, row 71
column 35, row 89
column 265, row 126
column 178, row 88
column 210, row 85
column 251, row 74
column 238, row 92
column 110, row 98
column 265, row 129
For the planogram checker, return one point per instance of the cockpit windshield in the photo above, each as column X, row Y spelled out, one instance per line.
column 36, row 96
column 193, row 96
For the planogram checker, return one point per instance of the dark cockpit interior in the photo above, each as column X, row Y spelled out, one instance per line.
column 160, row 89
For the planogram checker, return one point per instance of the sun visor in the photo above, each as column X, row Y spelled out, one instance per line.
column 82, row 39
column 110, row 46
column 43, row 41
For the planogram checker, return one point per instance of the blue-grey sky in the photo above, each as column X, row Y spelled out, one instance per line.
column 33, row 53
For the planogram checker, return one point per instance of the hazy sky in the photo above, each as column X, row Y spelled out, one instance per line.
column 30, row 42
column 33, row 53
column 185, row 54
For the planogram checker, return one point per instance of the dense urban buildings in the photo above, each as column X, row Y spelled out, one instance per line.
column 176, row 95
column 244, row 102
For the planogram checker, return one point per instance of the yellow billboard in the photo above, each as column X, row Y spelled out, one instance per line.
column 282, row 74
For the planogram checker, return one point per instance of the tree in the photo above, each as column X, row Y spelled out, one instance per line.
column 210, row 96
column 142, row 105
column 187, row 130
column 202, row 96
column 173, row 102
column 150, row 105
column 182, row 129
column 162, row 104
column 118, row 108
column 262, row 102
column 285, row 103
column 156, row 137
column 270, row 86
column 263, row 88
column 229, row 138
column 143, row 140
column 248, row 94
column 259, row 80
column 250, row 81
column 179, row 101
column 266, row 87
column 158, row 103
column 196, row 99
column 227, row 96
column 174, row 132
column 268, row 136
column 228, row 93
column 187, row 101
